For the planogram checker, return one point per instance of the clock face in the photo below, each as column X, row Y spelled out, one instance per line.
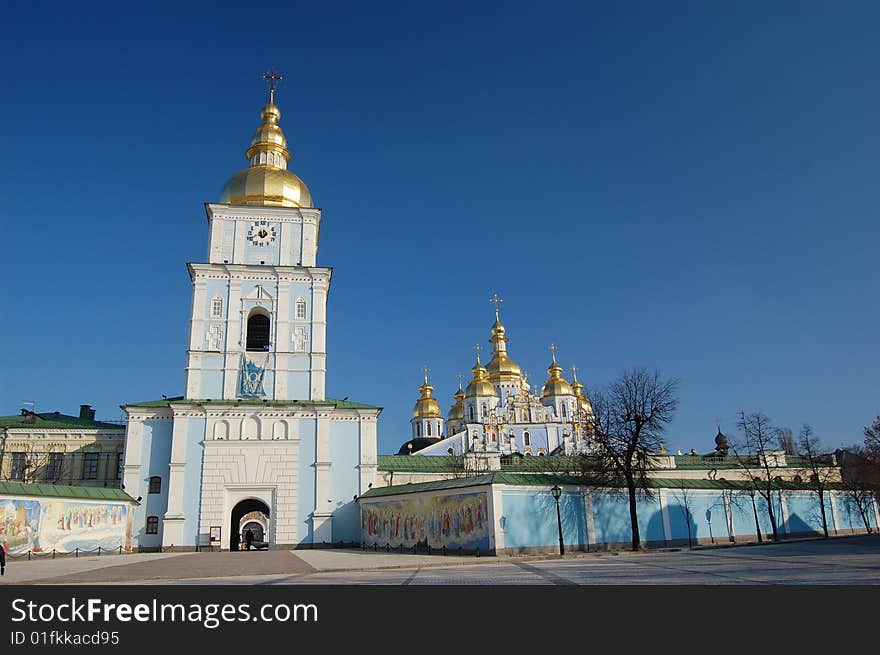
column 261, row 233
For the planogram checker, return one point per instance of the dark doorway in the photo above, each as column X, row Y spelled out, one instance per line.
column 258, row 332
column 238, row 512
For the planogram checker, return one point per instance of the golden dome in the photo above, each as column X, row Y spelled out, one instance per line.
column 501, row 368
column 583, row 404
column 456, row 412
column 267, row 182
column 556, row 385
column 426, row 406
column 480, row 385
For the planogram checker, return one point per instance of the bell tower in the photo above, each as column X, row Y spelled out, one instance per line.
column 258, row 323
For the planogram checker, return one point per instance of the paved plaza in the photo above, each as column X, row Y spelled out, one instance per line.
column 845, row 561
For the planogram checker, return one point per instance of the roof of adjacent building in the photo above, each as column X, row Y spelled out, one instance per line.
column 64, row 491
column 561, row 463
column 547, row 479
column 166, row 402
column 54, row 420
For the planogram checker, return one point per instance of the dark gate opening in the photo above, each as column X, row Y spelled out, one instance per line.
column 238, row 512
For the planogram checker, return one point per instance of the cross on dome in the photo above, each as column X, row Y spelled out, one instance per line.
column 272, row 77
column 496, row 300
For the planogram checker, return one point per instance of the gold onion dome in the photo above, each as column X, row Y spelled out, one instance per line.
column 501, row 368
column 556, row 385
column 456, row 412
column 480, row 385
column 583, row 403
column 267, row 182
column 426, row 406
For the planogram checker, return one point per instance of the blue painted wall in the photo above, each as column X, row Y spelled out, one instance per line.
column 611, row 517
column 703, row 510
column 156, row 453
column 529, row 518
column 343, row 484
column 306, row 480
column 849, row 516
column 192, row 478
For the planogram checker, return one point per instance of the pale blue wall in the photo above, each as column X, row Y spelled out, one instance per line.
column 192, row 479
column 306, row 480
column 848, row 514
column 529, row 518
column 804, row 514
column 269, row 254
column 344, row 479
column 156, row 453
column 705, row 512
column 211, row 377
column 611, row 517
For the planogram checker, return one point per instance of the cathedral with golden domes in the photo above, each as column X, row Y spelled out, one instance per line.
column 499, row 412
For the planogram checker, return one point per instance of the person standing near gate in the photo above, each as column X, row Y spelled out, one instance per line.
column 2, row 559
column 248, row 538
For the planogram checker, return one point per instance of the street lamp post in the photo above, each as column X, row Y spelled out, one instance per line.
column 557, row 492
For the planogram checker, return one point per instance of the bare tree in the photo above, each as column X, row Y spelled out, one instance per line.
column 787, row 443
column 754, row 455
column 629, row 418
column 820, row 470
column 872, row 441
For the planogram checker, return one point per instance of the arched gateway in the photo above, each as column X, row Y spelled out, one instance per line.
column 238, row 513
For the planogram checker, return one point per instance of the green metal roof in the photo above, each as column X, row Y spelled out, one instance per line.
column 548, row 479
column 166, row 402
column 63, row 491
column 54, row 421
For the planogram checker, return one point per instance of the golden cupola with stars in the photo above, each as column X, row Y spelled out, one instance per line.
column 266, row 182
column 556, row 385
column 501, row 368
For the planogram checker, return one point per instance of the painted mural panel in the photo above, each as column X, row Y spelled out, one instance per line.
column 454, row 521
column 63, row 525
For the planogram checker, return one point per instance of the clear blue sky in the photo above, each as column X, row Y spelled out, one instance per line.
column 690, row 186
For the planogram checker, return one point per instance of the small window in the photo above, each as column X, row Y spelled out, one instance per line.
column 429, row 430
column 19, row 467
column 527, row 439
column 152, row 525
column 300, row 310
column 155, row 485
column 798, row 479
column 90, row 466
column 216, row 308
column 564, row 411
column 120, row 465
column 471, row 411
column 418, row 429
column 53, row 467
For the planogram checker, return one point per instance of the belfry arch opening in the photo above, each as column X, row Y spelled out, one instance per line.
column 243, row 508
column 258, row 331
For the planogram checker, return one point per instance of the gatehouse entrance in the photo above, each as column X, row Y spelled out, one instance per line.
column 236, row 528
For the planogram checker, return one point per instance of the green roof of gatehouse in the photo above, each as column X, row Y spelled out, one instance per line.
column 64, row 491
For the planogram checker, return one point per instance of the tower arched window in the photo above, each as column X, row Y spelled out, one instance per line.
column 429, row 430
column 564, row 411
column 300, row 310
column 418, row 429
column 258, row 332
column 527, row 440
column 216, row 307
column 471, row 412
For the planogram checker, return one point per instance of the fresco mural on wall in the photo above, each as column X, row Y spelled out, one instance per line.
column 455, row 521
column 63, row 525
column 19, row 524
